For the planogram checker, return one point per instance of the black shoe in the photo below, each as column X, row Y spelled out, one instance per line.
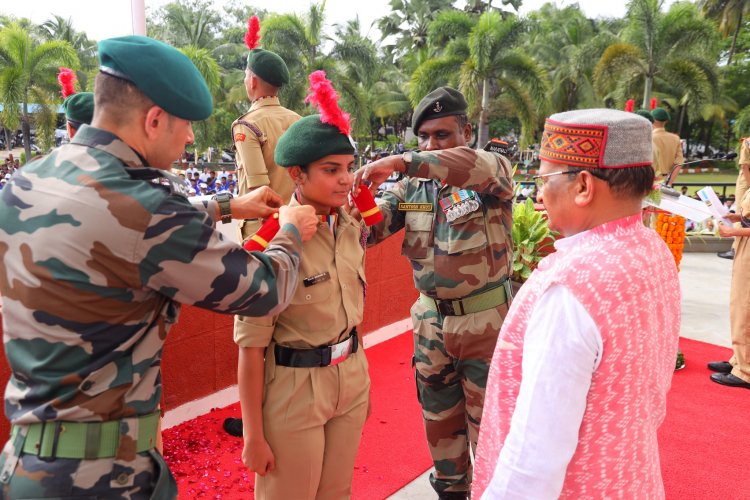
column 729, row 254
column 720, row 366
column 730, row 380
column 453, row 495
column 233, row 426
column 680, row 362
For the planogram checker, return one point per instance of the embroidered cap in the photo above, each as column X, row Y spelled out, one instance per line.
column 597, row 138
column 443, row 101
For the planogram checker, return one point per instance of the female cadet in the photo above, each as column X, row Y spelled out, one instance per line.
column 304, row 406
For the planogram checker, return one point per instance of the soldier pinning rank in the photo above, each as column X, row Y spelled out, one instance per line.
column 456, row 207
column 95, row 259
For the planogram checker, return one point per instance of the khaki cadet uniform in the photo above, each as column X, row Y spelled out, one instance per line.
column 741, row 186
column 739, row 312
column 313, row 417
column 467, row 258
column 255, row 135
column 97, row 251
column 667, row 151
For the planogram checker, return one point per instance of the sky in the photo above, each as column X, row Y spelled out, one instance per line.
column 101, row 19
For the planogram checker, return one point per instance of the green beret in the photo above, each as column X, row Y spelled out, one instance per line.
column 268, row 66
column 164, row 74
column 443, row 101
column 646, row 114
column 660, row 114
column 309, row 139
column 79, row 107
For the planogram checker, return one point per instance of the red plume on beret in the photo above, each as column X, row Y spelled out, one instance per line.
column 324, row 96
column 629, row 105
column 252, row 37
column 67, row 77
column 653, row 104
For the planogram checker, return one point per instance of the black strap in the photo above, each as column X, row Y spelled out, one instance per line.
column 309, row 358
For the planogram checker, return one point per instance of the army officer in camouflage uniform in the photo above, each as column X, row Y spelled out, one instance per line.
column 456, row 206
column 97, row 249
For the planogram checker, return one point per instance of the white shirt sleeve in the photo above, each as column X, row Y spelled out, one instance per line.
column 562, row 349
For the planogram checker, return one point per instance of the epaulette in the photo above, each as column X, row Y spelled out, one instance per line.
column 165, row 180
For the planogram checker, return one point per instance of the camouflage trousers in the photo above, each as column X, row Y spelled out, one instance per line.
column 64, row 478
column 452, row 356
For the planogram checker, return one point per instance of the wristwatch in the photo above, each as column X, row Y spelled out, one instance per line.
column 224, row 209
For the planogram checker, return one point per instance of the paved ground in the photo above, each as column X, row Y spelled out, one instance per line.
column 704, row 279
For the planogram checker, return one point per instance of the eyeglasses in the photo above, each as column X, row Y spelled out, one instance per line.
column 539, row 179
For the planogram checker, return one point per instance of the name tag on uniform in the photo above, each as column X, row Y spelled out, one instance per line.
column 318, row 278
column 415, row 207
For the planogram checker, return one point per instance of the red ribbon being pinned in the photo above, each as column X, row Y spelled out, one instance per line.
column 367, row 207
column 259, row 241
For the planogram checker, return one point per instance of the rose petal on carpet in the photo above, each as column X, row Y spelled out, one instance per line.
column 206, row 461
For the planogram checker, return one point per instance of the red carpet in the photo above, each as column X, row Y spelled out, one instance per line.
column 703, row 440
column 207, row 462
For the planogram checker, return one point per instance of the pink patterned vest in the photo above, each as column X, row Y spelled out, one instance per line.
column 625, row 277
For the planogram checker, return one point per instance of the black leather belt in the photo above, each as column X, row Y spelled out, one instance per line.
column 320, row 356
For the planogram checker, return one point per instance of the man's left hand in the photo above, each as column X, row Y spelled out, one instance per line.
column 378, row 171
column 726, row 231
column 256, row 204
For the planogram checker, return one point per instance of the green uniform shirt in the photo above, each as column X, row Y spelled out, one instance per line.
column 473, row 252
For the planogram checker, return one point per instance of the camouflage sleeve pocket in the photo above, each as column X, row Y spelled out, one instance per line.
column 417, row 239
column 467, row 233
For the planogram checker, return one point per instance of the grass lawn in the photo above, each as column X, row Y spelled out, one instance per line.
column 706, row 179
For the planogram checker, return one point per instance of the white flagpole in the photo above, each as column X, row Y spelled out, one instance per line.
column 138, row 10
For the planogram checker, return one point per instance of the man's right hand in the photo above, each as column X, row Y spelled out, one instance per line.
column 303, row 217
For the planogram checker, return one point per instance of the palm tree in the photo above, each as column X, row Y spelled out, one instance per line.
column 206, row 130
column 298, row 40
column 487, row 65
column 567, row 45
column 28, row 70
column 729, row 13
column 59, row 28
column 409, row 22
column 678, row 47
column 186, row 23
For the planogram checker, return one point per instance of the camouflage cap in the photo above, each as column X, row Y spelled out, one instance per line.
column 164, row 74
column 269, row 66
column 79, row 108
column 309, row 139
column 443, row 101
column 661, row 114
column 597, row 138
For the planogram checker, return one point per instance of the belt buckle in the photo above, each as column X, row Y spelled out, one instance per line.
column 340, row 351
column 445, row 307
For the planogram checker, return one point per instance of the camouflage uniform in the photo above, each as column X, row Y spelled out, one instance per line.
column 452, row 260
column 94, row 262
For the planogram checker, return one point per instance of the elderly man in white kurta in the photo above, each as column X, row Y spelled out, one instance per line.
column 580, row 374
